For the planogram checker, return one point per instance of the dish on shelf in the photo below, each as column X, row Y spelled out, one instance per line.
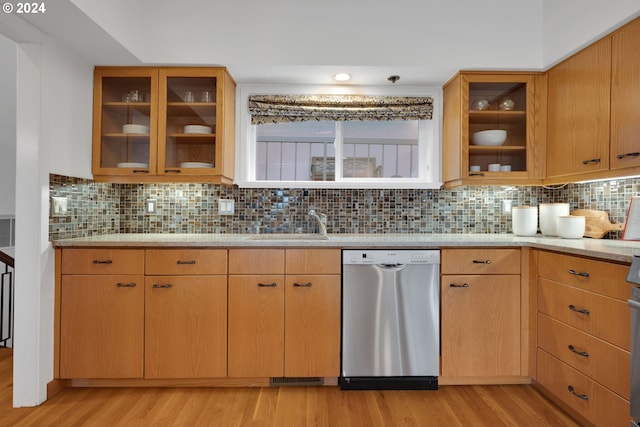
column 197, row 129
column 489, row 137
column 196, row 165
column 132, row 165
column 133, row 128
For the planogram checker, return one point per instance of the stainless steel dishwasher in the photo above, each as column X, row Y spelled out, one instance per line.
column 634, row 304
column 390, row 319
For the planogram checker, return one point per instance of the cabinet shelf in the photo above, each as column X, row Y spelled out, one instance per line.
column 121, row 135
column 139, row 106
column 483, row 149
column 193, row 137
column 191, row 108
column 493, row 116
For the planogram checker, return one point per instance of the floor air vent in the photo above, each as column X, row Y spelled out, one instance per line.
column 295, row 381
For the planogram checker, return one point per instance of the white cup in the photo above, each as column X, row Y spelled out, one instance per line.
column 505, row 168
column 474, row 168
column 524, row 220
column 494, row 167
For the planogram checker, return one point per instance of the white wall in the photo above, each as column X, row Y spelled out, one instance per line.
column 8, row 52
column 570, row 25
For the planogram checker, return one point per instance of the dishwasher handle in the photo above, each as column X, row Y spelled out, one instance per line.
column 634, row 304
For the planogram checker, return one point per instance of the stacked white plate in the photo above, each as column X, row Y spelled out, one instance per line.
column 132, row 165
column 197, row 129
column 196, row 165
column 132, row 128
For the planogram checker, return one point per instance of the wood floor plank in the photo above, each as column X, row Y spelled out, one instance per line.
column 450, row 406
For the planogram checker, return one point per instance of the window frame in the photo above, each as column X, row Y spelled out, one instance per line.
column 430, row 174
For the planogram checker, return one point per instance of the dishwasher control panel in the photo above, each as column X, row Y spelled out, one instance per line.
column 384, row 256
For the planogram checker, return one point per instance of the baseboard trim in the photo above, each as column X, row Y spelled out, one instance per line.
column 56, row 386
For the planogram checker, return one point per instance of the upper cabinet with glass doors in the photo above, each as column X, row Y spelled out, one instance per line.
column 494, row 128
column 163, row 125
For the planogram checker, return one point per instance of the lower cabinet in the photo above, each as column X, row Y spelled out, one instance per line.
column 102, row 326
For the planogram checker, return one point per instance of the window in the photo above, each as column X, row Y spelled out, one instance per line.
column 336, row 153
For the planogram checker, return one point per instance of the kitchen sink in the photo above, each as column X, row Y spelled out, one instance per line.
column 289, row 236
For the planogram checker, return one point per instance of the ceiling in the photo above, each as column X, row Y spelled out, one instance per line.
column 295, row 41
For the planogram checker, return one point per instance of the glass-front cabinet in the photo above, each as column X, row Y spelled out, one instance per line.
column 163, row 124
column 491, row 133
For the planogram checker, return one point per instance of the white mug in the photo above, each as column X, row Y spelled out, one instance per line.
column 505, row 168
column 494, row 167
column 474, row 168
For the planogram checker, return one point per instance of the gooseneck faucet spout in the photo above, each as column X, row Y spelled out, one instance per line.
column 321, row 219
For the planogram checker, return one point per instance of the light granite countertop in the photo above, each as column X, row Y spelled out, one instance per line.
column 611, row 250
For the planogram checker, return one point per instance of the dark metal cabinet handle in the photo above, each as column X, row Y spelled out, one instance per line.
column 454, row 285
column 126, row 285
column 172, row 171
column 577, row 273
column 577, row 310
column 573, row 391
column 622, row 156
column 267, row 285
column 579, row 353
column 140, row 171
column 302, row 285
column 594, row 161
column 479, row 261
column 476, row 174
column 165, row 286
column 187, row 262
column 106, row 261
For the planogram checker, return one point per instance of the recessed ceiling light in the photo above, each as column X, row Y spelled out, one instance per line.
column 342, row 77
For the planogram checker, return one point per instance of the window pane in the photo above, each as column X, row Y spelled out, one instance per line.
column 297, row 151
column 380, row 149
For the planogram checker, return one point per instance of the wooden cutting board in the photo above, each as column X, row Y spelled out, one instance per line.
column 597, row 223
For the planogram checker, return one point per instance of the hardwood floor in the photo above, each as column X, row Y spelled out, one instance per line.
column 466, row 406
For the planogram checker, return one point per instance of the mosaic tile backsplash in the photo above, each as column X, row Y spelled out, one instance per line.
column 101, row 208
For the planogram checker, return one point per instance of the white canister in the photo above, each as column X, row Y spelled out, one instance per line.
column 524, row 220
column 548, row 215
column 571, row 227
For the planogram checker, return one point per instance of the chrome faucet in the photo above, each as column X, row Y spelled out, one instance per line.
column 321, row 219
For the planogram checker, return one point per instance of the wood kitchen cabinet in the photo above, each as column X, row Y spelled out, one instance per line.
column 185, row 313
column 481, row 316
column 477, row 101
column 284, row 312
column 101, row 314
column 583, row 336
column 170, row 124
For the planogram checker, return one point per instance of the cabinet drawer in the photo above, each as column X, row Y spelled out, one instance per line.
column 605, row 363
column 313, row 261
column 597, row 276
column 256, row 261
column 607, row 318
column 602, row 407
column 102, row 261
column 186, row 261
column 480, row 261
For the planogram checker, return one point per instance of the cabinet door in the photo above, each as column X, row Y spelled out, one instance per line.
column 578, row 112
column 480, row 326
column 185, row 326
column 625, row 97
column 312, row 326
column 256, row 326
column 194, row 127
column 125, row 121
column 102, row 326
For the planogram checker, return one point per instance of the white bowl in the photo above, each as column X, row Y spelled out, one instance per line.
column 571, row 226
column 489, row 137
column 132, row 128
column 132, row 165
column 197, row 129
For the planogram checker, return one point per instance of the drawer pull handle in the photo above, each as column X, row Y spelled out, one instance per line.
column 479, row 261
column 594, row 161
column 303, row 285
column 267, row 285
column 126, row 285
column 573, row 391
column 106, row 261
column 579, row 353
column 577, row 273
column 140, row 171
column 476, row 174
column 577, row 310
column 165, row 286
column 622, row 156
column 455, row 285
column 172, row 171
column 187, row 262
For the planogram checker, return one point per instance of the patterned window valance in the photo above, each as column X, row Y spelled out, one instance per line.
column 300, row 108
